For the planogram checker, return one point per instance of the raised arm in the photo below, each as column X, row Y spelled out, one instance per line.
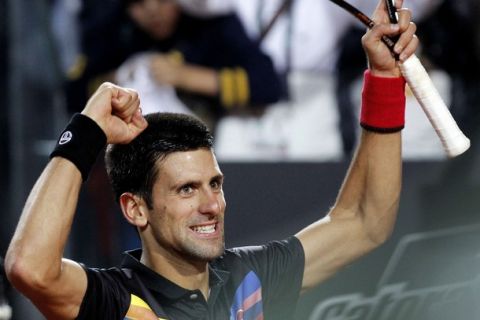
column 365, row 210
column 34, row 262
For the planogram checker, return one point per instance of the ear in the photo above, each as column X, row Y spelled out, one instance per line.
column 134, row 209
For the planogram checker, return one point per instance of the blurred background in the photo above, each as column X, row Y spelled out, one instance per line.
column 278, row 82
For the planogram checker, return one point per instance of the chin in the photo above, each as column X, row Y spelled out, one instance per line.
column 208, row 253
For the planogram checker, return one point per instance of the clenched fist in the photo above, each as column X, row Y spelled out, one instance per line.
column 117, row 111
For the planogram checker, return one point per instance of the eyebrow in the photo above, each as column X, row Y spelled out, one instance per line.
column 218, row 177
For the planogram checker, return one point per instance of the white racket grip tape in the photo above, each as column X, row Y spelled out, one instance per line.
column 452, row 138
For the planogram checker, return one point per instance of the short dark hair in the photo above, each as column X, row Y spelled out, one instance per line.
column 132, row 167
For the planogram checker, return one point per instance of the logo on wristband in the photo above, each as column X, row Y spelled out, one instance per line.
column 65, row 138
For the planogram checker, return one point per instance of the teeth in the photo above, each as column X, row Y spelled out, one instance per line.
column 204, row 229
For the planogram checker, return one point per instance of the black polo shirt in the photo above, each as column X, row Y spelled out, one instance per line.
column 249, row 283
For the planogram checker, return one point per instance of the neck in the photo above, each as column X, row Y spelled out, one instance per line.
column 191, row 275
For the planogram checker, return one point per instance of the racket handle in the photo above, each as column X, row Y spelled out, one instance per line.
column 452, row 138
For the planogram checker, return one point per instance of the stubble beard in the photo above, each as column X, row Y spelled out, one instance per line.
column 204, row 250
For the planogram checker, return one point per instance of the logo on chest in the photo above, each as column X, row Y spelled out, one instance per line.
column 247, row 302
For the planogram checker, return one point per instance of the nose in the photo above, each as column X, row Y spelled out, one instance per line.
column 211, row 202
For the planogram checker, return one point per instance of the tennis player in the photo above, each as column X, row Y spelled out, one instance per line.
column 169, row 186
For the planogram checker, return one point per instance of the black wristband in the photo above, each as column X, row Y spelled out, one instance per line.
column 80, row 142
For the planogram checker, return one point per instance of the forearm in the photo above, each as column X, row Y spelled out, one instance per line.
column 230, row 85
column 37, row 246
column 198, row 79
column 366, row 207
column 372, row 186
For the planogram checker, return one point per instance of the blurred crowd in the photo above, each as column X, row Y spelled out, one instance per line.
column 275, row 80
column 177, row 61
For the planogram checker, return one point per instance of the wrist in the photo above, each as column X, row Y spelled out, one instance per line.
column 388, row 73
column 383, row 103
column 93, row 115
column 81, row 142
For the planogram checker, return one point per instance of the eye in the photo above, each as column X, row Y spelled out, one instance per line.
column 216, row 184
column 186, row 189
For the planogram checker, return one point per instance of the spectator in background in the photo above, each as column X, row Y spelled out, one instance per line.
column 305, row 44
column 452, row 43
column 306, row 35
column 211, row 59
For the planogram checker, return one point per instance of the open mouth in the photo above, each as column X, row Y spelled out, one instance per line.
column 205, row 229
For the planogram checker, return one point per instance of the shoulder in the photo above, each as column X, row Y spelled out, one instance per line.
column 110, row 276
column 277, row 251
column 291, row 245
column 107, row 295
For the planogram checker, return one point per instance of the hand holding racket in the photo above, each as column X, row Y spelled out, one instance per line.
column 452, row 138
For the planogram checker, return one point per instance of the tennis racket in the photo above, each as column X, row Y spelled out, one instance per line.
column 453, row 140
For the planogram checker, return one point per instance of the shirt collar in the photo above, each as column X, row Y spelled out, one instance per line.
column 156, row 282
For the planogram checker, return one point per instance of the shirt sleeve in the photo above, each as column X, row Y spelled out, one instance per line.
column 254, row 76
column 247, row 75
column 280, row 266
column 105, row 298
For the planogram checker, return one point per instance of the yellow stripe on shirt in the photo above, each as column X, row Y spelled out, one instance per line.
column 227, row 94
column 140, row 310
column 241, row 87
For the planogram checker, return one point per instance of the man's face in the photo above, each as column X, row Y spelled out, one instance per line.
column 189, row 206
column 156, row 17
